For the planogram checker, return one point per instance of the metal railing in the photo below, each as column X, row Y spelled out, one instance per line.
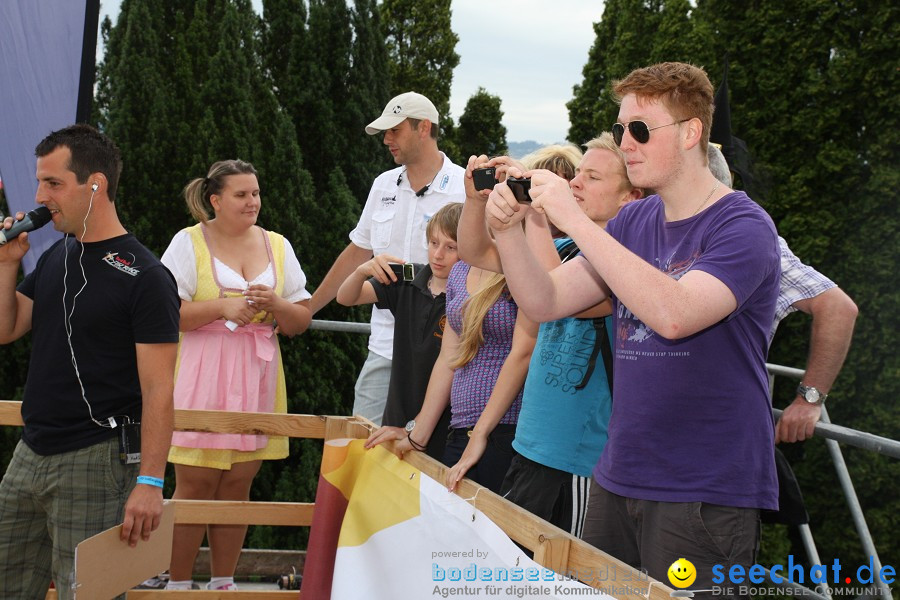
column 824, row 428
column 861, row 439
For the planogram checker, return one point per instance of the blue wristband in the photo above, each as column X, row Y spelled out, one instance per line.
column 147, row 480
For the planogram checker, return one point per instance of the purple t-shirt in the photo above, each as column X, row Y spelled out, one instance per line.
column 474, row 382
column 692, row 420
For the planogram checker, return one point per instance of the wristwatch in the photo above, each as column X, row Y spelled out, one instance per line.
column 410, row 425
column 811, row 394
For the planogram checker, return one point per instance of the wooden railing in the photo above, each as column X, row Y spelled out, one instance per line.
column 553, row 548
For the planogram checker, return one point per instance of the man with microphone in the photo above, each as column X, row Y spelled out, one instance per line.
column 97, row 403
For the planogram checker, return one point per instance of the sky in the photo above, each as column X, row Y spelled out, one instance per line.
column 528, row 52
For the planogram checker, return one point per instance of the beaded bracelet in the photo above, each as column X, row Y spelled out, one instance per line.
column 147, row 480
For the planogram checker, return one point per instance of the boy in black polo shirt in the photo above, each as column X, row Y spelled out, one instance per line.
column 419, row 312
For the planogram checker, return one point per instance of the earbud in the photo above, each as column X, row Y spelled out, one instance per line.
column 95, row 187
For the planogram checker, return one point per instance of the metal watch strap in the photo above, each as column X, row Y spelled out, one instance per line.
column 803, row 390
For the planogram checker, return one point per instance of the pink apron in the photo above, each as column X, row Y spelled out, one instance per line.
column 224, row 370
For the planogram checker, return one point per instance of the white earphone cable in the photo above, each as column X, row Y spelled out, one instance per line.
column 67, row 313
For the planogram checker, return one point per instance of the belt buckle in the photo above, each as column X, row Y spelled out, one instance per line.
column 469, row 433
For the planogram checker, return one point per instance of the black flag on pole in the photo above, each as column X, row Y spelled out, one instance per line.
column 734, row 149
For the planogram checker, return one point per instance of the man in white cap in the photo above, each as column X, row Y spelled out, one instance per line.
column 392, row 225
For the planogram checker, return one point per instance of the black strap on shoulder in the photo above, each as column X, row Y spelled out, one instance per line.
column 605, row 349
column 601, row 346
column 601, row 341
column 567, row 250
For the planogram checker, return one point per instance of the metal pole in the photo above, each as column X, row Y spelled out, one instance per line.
column 812, row 553
column 855, row 509
column 342, row 326
column 860, row 439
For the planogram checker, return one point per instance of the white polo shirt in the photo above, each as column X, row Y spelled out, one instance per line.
column 393, row 222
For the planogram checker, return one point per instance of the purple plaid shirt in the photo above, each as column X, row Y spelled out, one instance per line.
column 473, row 383
column 798, row 282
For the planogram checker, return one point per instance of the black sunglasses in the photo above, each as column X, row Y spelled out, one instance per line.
column 638, row 129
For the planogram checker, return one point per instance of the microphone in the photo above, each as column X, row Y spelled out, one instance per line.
column 32, row 220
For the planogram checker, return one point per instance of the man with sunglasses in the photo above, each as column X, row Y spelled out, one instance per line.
column 693, row 274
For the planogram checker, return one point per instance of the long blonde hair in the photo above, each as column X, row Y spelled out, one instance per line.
column 474, row 310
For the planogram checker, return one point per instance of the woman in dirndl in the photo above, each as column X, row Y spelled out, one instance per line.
column 236, row 281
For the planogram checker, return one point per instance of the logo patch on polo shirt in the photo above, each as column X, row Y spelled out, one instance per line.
column 444, row 181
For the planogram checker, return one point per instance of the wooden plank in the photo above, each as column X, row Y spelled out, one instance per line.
column 265, row 563
column 11, row 413
column 209, row 595
column 577, row 558
column 553, row 547
column 301, row 426
column 348, row 427
column 199, row 595
column 553, row 553
column 607, row 572
column 224, row 512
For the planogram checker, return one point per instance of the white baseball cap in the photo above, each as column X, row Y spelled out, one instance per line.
column 405, row 106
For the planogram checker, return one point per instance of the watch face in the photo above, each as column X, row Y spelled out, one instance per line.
column 410, row 425
column 812, row 395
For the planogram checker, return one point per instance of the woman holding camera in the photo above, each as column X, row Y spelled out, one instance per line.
column 235, row 280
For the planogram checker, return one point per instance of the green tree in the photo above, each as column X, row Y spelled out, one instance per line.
column 335, row 59
column 179, row 90
column 481, row 129
column 829, row 161
column 422, row 49
column 331, row 75
column 368, row 90
column 134, row 104
column 630, row 34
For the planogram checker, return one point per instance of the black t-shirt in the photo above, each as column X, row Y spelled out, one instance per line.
column 130, row 298
column 419, row 320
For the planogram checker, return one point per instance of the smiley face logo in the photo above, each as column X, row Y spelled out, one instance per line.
column 682, row 573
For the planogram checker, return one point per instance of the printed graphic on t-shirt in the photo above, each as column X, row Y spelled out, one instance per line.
column 631, row 332
column 676, row 269
column 122, row 262
column 565, row 356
